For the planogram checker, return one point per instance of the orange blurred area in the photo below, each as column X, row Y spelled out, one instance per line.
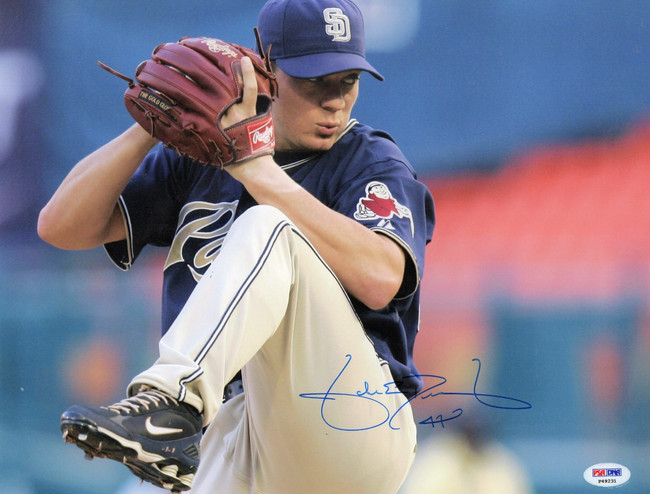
column 570, row 220
column 95, row 370
column 556, row 225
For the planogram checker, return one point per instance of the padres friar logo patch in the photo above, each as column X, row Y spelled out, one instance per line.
column 379, row 204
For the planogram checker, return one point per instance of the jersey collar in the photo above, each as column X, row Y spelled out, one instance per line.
column 288, row 160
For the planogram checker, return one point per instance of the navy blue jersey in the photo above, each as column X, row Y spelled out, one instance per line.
column 174, row 202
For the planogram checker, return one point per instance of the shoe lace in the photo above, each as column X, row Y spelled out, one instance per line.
column 148, row 399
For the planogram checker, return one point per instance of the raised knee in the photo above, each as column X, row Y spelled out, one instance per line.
column 265, row 214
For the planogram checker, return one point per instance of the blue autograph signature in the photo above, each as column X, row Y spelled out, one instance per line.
column 329, row 398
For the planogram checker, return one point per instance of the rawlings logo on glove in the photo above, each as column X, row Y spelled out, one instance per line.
column 217, row 47
column 261, row 135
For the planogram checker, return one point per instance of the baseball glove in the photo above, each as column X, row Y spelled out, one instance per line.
column 185, row 88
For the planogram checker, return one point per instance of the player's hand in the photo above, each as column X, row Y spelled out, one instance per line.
column 247, row 108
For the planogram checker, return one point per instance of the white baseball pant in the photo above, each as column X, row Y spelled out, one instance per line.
column 317, row 415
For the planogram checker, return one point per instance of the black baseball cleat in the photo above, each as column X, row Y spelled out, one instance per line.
column 154, row 435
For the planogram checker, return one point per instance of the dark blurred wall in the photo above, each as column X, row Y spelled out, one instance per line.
column 23, row 111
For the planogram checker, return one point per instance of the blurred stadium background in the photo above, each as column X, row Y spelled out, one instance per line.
column 530, row 122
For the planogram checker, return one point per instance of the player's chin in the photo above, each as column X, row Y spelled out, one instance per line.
column 322, row 142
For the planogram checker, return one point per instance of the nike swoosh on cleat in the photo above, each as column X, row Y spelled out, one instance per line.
column 155, row 430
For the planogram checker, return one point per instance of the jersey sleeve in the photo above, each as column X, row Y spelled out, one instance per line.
column 149, row 204
column 385, row 196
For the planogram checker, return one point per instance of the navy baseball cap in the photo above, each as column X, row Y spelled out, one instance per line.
column 314, row 38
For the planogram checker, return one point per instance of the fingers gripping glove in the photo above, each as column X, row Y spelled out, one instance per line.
column 186, row 87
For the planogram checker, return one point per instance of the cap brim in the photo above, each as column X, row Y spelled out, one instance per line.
column 322, row 64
